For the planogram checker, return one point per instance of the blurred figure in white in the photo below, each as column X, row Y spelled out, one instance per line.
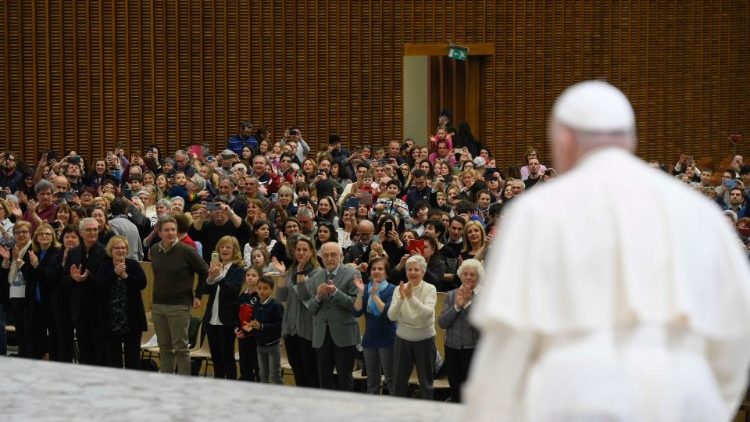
column 636, row 307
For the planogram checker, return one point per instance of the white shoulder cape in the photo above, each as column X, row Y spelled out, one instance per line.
column 614, row 242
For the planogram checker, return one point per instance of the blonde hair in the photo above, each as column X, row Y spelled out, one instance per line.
column 40, row 227
column 236, row 254
column 115, row 239
column 469, row 224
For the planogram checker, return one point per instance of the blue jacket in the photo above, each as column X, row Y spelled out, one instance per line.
column 270, row 316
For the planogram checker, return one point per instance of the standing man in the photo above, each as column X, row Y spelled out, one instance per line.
column 620, row 317
column 175, row 266
column 87, row 311
column 330, row 297
column 535, row 173
column 244, row 138
column 212, row 224
column 11, row 176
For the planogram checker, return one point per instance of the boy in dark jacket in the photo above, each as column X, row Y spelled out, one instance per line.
column 266, row 325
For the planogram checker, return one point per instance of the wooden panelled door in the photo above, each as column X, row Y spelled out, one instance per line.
column 455, row 85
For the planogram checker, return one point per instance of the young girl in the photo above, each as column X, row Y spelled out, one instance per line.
column 261, row 260
column 246, row 344
column 266, row 325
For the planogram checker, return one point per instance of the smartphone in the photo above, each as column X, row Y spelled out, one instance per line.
column 388, row 227
column 212, row 206
column 416, row 245
column 128, row 193
column 365, row 198
column 214, row 256
column 274, row 197
column 303, row 201
column 730, row 184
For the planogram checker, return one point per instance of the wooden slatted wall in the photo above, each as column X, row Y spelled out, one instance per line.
column 86, row 74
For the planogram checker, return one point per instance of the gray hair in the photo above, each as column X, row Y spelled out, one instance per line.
column 43, row 185
column 199, row 182
column 334, row 244
column 472, row 264
column 230, row 179
column 82, row 223
column 165, row 202
column 177, row 199
column 417, row 259
column 305, row 212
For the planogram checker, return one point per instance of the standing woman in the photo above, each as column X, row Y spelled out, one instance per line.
column 119, row 281
column 6, row 226
column 44, row 280
column 225, row 278
column 460, row 336
column 16, row 270
column 71, row 239
column 297, row 325
column 413, row 308
column 374, row 300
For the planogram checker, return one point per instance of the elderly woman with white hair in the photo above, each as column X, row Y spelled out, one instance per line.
column 413, row 308
column 460, row 335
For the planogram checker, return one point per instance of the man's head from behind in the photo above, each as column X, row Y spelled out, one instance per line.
column 587, row 116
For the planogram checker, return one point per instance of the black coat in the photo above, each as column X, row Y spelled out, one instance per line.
column 48, row 276
column 105, row 278
column 84, row 302
column 228, row 294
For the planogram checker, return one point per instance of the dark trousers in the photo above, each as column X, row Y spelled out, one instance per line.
column 89, row 336
column 129, row 346
column 301, row 356
column 20, row 315
column 221, row 343
column 457, row 363
column 63, row 329
column 406, row 355
column 248, row 349
column 44, row 332
column 342, row 358
column 3, row 337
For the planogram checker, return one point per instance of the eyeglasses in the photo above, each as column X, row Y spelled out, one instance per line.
column 44, row 234
column 21, row 232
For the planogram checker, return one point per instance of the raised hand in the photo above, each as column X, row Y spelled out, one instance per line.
column 360, row 285
column 120, row 270
column 33, row 259
column 77, row 275
column 280, row 267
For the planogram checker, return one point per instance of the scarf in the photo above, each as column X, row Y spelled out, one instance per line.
column 371, row 306
column 17, row 263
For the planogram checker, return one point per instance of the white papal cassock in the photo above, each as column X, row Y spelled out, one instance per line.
column 613, row 293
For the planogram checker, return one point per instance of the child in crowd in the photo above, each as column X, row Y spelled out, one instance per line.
column 262, row 262
column 180, row 186
column 266, row 327
column 247, row 344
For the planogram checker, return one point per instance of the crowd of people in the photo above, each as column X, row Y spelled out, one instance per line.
column 286, row 245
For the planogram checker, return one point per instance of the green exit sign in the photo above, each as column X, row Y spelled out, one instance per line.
column 458, row 53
